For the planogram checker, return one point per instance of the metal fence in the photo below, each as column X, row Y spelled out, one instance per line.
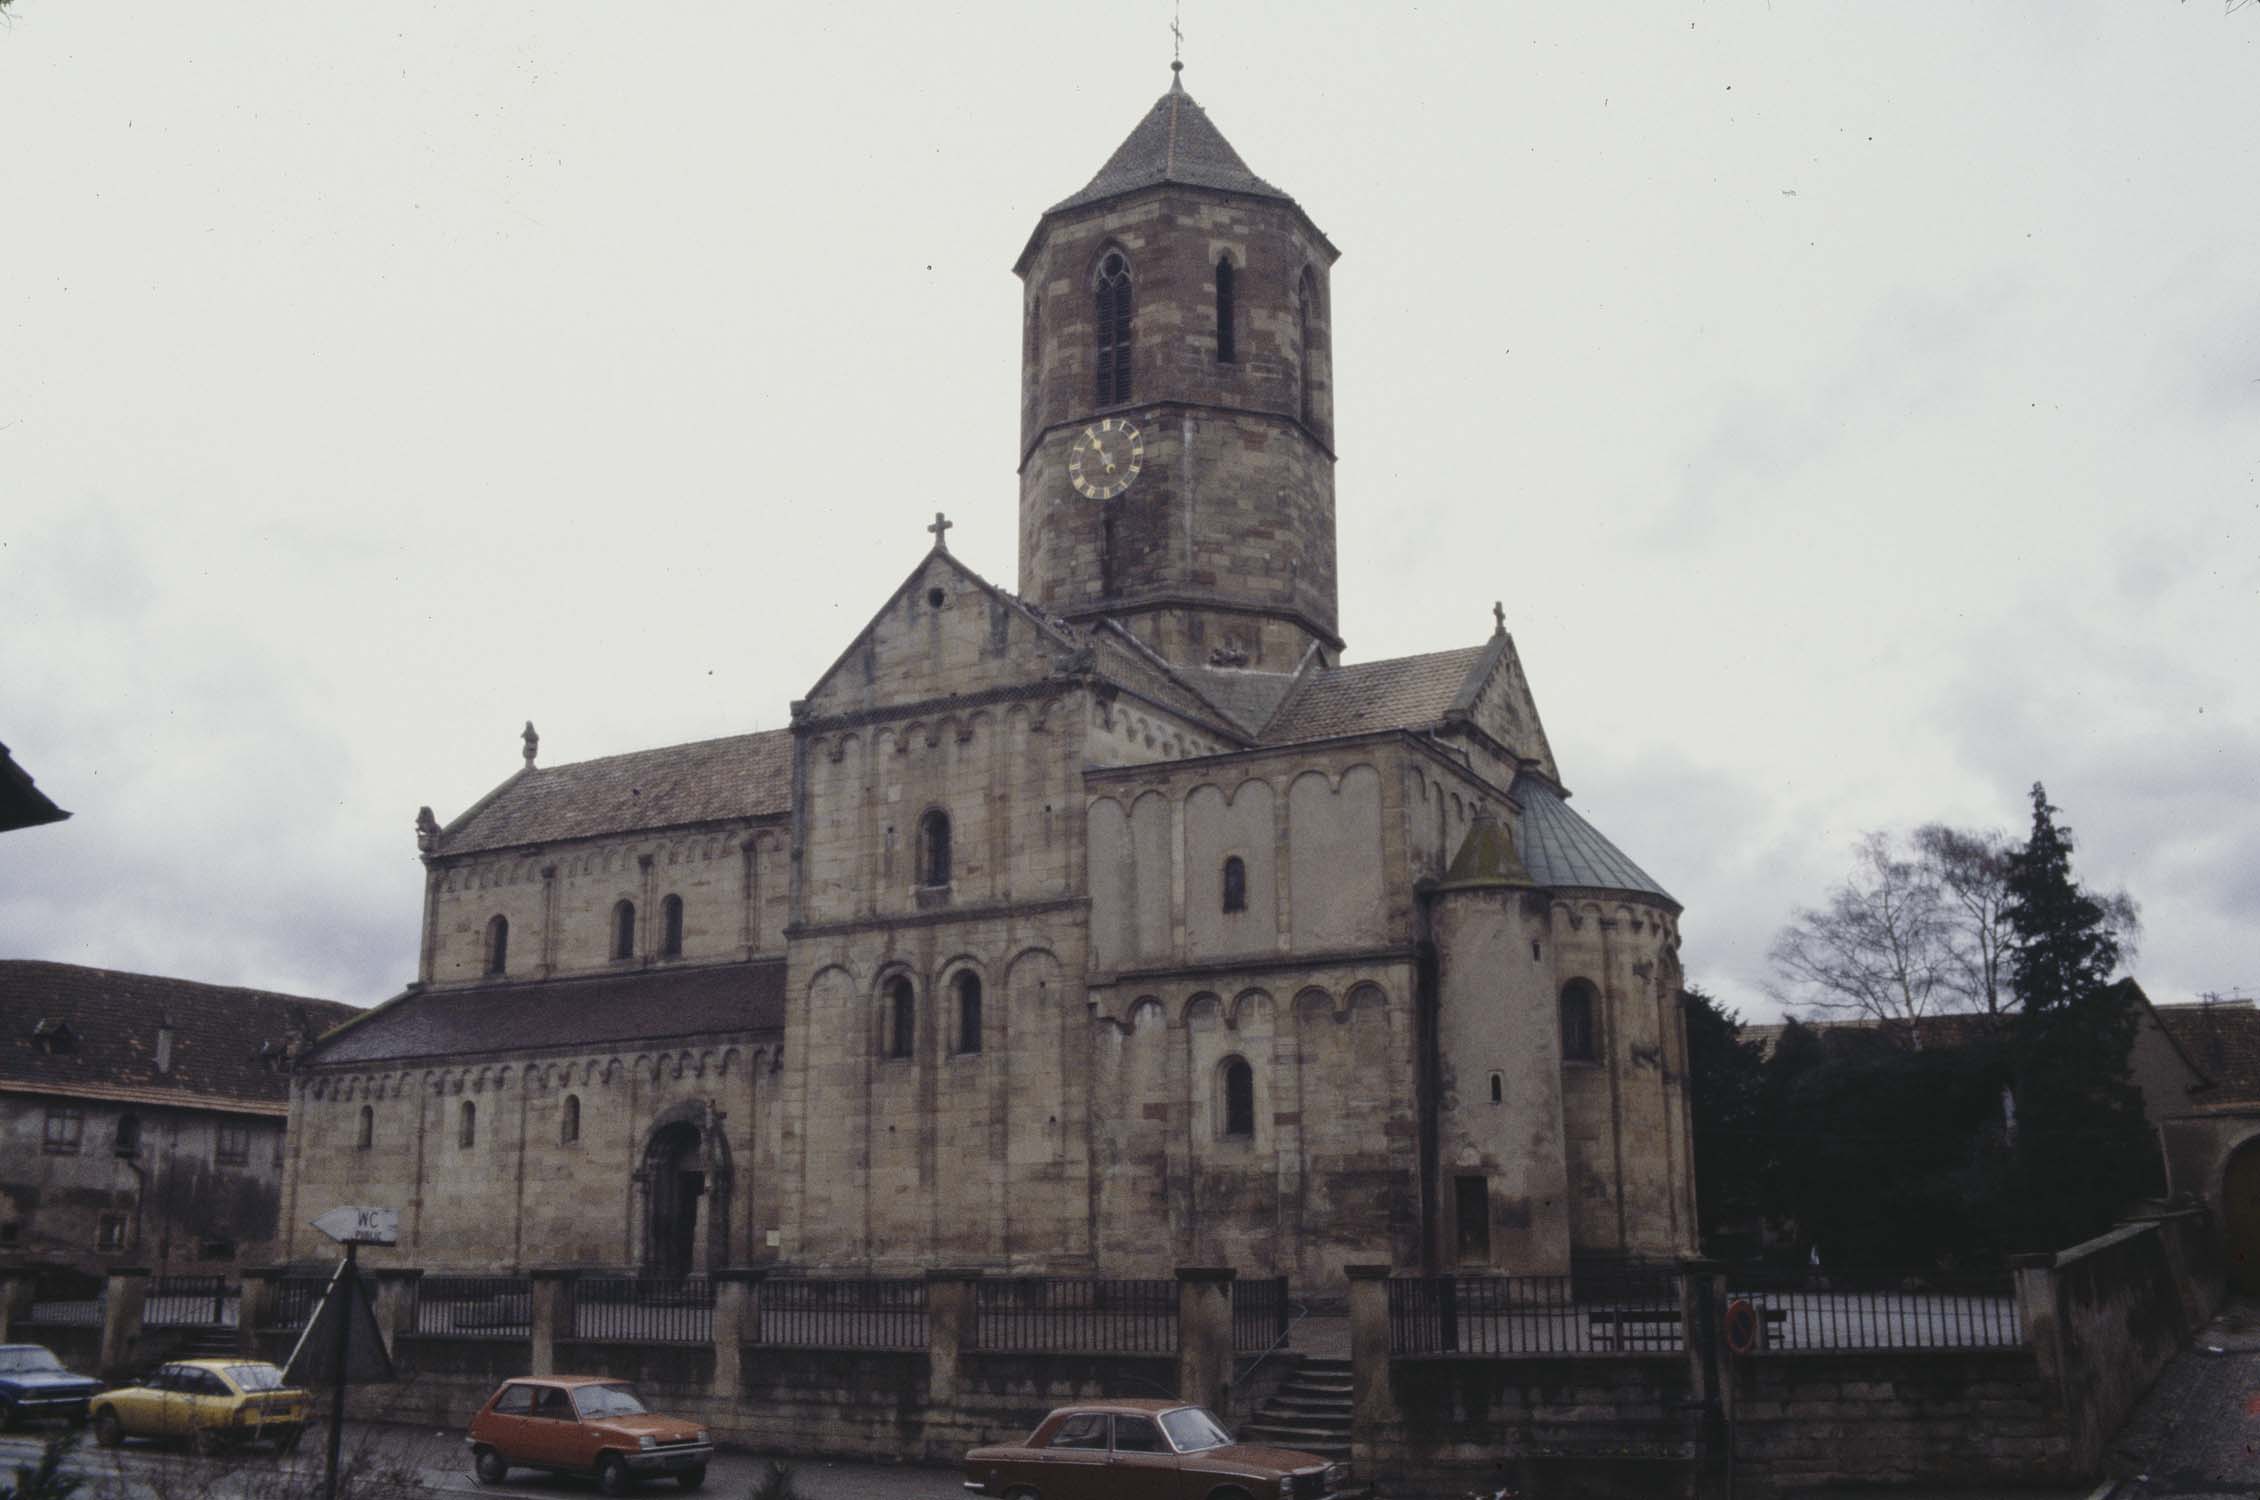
column 842, row 1313
column 1879, row 1310
column 1630, row 1311
column 496, row 1307
column 641, row 1309
column 1077, row 1314
column 66, row 1312
column 191, row 1302
column 295, row 1298
column 1259, row 1314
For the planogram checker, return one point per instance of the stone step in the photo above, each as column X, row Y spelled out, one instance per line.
column 1316, row 1390
column 1297, row 1439
column 1321, row 1411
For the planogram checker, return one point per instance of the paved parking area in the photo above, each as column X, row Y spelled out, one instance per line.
column 2197, row 1434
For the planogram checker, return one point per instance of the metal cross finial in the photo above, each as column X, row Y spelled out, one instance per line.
column 940, row 528
column 1177, row 38
column 1499, row 616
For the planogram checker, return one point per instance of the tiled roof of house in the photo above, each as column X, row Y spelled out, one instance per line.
column 23, row 805
column 1405, row 692
column 2222, row 1040
column 1175, row 142
column 71, row 1030
column 648, row 1007
column 1563, row 851
column 1248, row 697
column 741, row 776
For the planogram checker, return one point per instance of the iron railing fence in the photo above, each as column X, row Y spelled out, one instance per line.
column 191, row 1302
column 491, row 1307
column 1634, row 1310
column 1076, row 1314
column 1809, row 1308
column 827, row 1312
column 294, row 1300
column 640, row 1309
column 1259, row 1314
column 67, row 1312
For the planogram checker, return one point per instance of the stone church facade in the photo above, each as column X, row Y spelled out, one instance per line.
column 1106, row 925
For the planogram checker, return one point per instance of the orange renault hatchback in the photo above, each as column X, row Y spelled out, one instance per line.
column 582, row 1424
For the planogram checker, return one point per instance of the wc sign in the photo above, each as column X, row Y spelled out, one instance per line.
column 361, row 1226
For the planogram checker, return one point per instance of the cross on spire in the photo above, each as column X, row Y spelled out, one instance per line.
column 940, row 528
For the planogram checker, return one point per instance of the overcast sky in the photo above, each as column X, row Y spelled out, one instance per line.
column 1857, row 407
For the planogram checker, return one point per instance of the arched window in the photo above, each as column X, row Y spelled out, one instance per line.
column 129, row 1135
column 934, row 848
column 1113, row 316
column 368, row 1136
column 624, row 929
column 1579, row 1043
column 1498, row 1089
column 569, row 1120
column 1235, row 884
column 671, row 927
column 1306, row 312
column 1224, row 350
column 1239, row 1085
column 902, row 1017
column 968, row 988
column 498, row 945
column 467, row 1133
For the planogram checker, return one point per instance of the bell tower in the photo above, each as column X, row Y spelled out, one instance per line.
column 1177, row 413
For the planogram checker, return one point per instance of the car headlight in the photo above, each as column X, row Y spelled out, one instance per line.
column 647, row 1441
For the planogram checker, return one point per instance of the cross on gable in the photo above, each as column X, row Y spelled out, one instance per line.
column 1499, row 615
column 940, row 528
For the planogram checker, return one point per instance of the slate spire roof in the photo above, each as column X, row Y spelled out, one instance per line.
column 1175, row 142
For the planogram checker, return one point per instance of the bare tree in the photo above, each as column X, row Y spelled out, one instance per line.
column 1879, row 948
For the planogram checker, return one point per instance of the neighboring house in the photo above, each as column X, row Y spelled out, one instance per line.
column 23, row 805
column 1106, row 925
column 141, row 1118
column 2199, row 1068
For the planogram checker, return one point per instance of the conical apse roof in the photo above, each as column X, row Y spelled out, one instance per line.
column 1175, row 142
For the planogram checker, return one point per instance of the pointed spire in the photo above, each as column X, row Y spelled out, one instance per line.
column 1175, row 142
column 1487, row 858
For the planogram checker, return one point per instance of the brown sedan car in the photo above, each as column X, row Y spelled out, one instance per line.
column 579, row 1424
column 1145, row 1450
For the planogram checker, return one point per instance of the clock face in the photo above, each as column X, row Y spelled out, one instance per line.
column 1105, row 458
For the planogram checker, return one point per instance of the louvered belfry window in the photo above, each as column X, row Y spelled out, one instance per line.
column 1114, row 330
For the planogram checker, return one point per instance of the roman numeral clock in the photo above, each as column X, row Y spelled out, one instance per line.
column 1105, row 459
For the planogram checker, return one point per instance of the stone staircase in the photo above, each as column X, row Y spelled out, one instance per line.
column 1311, row 1412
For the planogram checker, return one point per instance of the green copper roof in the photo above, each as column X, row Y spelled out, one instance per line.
column 1563, row 851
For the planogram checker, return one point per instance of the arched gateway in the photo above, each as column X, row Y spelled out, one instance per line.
column 2240, row 1216
column 680, row 1203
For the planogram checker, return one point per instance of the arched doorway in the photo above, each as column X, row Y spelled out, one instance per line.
column 682, row 1198
column 2240, row 1217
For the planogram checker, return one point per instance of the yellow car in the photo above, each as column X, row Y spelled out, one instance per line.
column 213, row 1403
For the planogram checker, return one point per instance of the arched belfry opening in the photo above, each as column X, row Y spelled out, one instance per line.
column 682, row 1191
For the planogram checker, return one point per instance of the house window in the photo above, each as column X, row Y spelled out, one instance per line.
column 467, row 1132
column 1471, row 1196
column 1224, row 350
column 1578, row 1041
column 1235, row 884
column 1113, row 315
column 65, row 1126
column 671, row 927
column 968, row 988
column 368, row 1136
column 232, row 1145
column 110, row 1233
column 934, row 848
column 129, row 1136
column 1239, row 1088
column 498, row 945
column 902, row 1017
column 624, row 929
column 569, row 1121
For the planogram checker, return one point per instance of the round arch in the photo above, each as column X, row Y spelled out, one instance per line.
column 2240, row 1214
column 681, row 1191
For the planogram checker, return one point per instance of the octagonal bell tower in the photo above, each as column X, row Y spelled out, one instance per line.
column 1176, row 332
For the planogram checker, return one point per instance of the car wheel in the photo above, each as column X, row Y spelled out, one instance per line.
column 612, row 1475
column 1020, row 1494
column 691, row 1479
column 488, row 1466
column 205, row 1440
column 108, row 1430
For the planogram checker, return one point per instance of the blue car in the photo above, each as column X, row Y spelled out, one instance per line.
column 33, row 1383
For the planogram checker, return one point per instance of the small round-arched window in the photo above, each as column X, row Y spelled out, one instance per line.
column 1236, row 1083
column 569, row 1120
column 671, row 927
column 901, row 1017
column 498, row 945
column 1235, row 884
column 467, row 1131
column 967, row 987
column 624, row 930
column 1580, row 1004
column 934, row 848
column 368, row 1136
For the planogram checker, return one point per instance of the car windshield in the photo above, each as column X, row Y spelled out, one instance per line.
column 26, row 1361
column 1191, row 1430
column 255, row 1377
column 607, row 1401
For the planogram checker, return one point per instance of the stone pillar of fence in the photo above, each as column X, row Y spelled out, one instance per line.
column 395, row 1302
column 257, row 1309
column 737, row 1322
column 16, row 1285
column 1373, row 1404
column 126, row 1292
column 1710, row 1393
column 1204, row 1335
column 2036, row 1311
column 552, row 1299
column 949, row 1330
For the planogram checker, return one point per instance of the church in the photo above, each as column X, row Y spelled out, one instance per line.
column 1108, row 923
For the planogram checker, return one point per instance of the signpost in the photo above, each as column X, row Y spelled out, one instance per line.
column 327, row 1345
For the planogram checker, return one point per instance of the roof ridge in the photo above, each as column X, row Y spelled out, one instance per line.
column 597, row 760
column 202, row 984
column 1162, row 664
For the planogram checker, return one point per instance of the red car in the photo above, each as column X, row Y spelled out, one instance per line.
column 1146, row 1450
column 580, row 1424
